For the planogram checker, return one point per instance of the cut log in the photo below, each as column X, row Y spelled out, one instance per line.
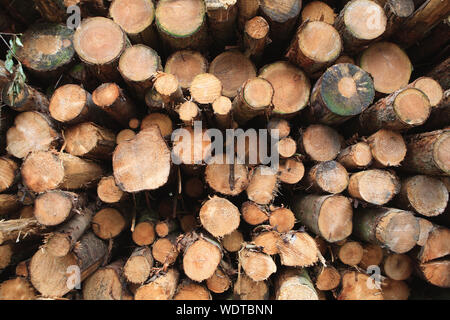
column 54, row 207
column 389, row 66
column 16, row 230
column 437, row 245
column 328, row 177
column 388, row 148
column 247, row 10
column 185, row 65
column 108, row 223
column 144, row 232
column 163, row 228
column 107, row 283
column 397, row 12
column 188, row 112
column 142, row 163
column 32, row 131
column 28, row 99
column 295, row 284
column 425, row 195
column 282, row 219
column 254, row 98
column 328, row 278
column 17, row 289
column 61, row 241
column 8, row 173
column 343, row 91
column 222, row 16
column 112, row 99
column 125, row 135
column 374, row 186
column 219, row 216
column 431, row 88
column 217, row 175
column 90, row 141
column 291, row 87
column 356, row 156
column 46, row 170
column 398, row 266
column 282, row 16
column 138, row 65
column 428, row 153
column 219, row 281
column 168, row 88
column 266, row 239
column 395, row 229
column 56, row 276
column 47, row 50
column 359, row 23
column 9, row 203
column 394, row 289
column 318, row 11
column 247, row 289
column 298, row 249
column 321, row 143
column 328, row 216
column 108, row 191
column 401, row 110
column 222, row 109
column 161, row 120
column 355, row 287
column 350, row 253
column 99, row 42
column 201, row 256
column 282, row 125
column 425, row 228
column 256, row 37
column 437, row 273
column 263, row 185
column 372, row 256
column 160, row 287
column 315, row 46
column 138, row 266
column 233, row 242
column 165, row 251
column 253, row 213
column 135, row 17
column 257, row 265
column 182, row 24
column 188, row 290
column 205, row 88
column 291, row 171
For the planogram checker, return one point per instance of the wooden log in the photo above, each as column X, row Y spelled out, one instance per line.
column 161, row 120
column 222, row 15
column 111, row 98
column 168, row 88
column 245, row 288
column 398, row 266
column 388, row 148
column 425, row 228
column 256, row 37
column 328, row 177
column 254, row 213
column 219, row 281
column 185, row 149
column 61, row 241
column 345, row 59
column 47, row 170
column 222, row 109
column 233, row 69
column 316, row 45
column 138, row 266
column 9, row 203
column 428, row 153
column 160, row 287
column 165, row 251
column 354, row 287
column 47, row 51
column 431, row 88
column 125, row 135
column 136, row 19
column 425, row 195
column 397, row 12
column 374, row 186
column 144, row 231
column 17, row 289
column 355, row 156
column 56, row 276
column 99, row 42
column 189, row 290
column 257, row 265
column 436, row 245
column 107, row 283
column 182, row 24
column 108, row 191
column 320, row 142
column 428, row 15
column 199, row 248
column 108, row 223
column 219, row 216
column 399, row 111
column 266, row 239
column 52, row 208
column 217, row 175
column 142, row 163
column 395, row 289
column 205, row 88
column 185, row 65
column 282, row 219
column 282, row 16
column 329, row 216
column 233, row 242
column 165, row 227
column 247, row 10
column 359, row 23
column 318, row 11
column 138, row 65
column 8, row 173
column 254, row 98
column 28, row 99
column 343, row 91
column 438, row 73
column 90, row 141
column 395, row 229
column 297, row 249
column 350, row 252
column 295, row 284
column 291, row 87
column 372, row 256
column 291, row 171
column 389, row 66
column 328, row 278
column 263, row 185
column 19, row 229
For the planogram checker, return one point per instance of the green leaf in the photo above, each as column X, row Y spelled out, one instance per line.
column 18, row 42
column 9, row 65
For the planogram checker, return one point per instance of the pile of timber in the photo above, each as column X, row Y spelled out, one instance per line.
column 98, row 201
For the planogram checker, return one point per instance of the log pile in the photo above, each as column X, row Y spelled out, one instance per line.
column 112, row 185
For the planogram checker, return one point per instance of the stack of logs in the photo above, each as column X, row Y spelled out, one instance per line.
column 91, row 191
